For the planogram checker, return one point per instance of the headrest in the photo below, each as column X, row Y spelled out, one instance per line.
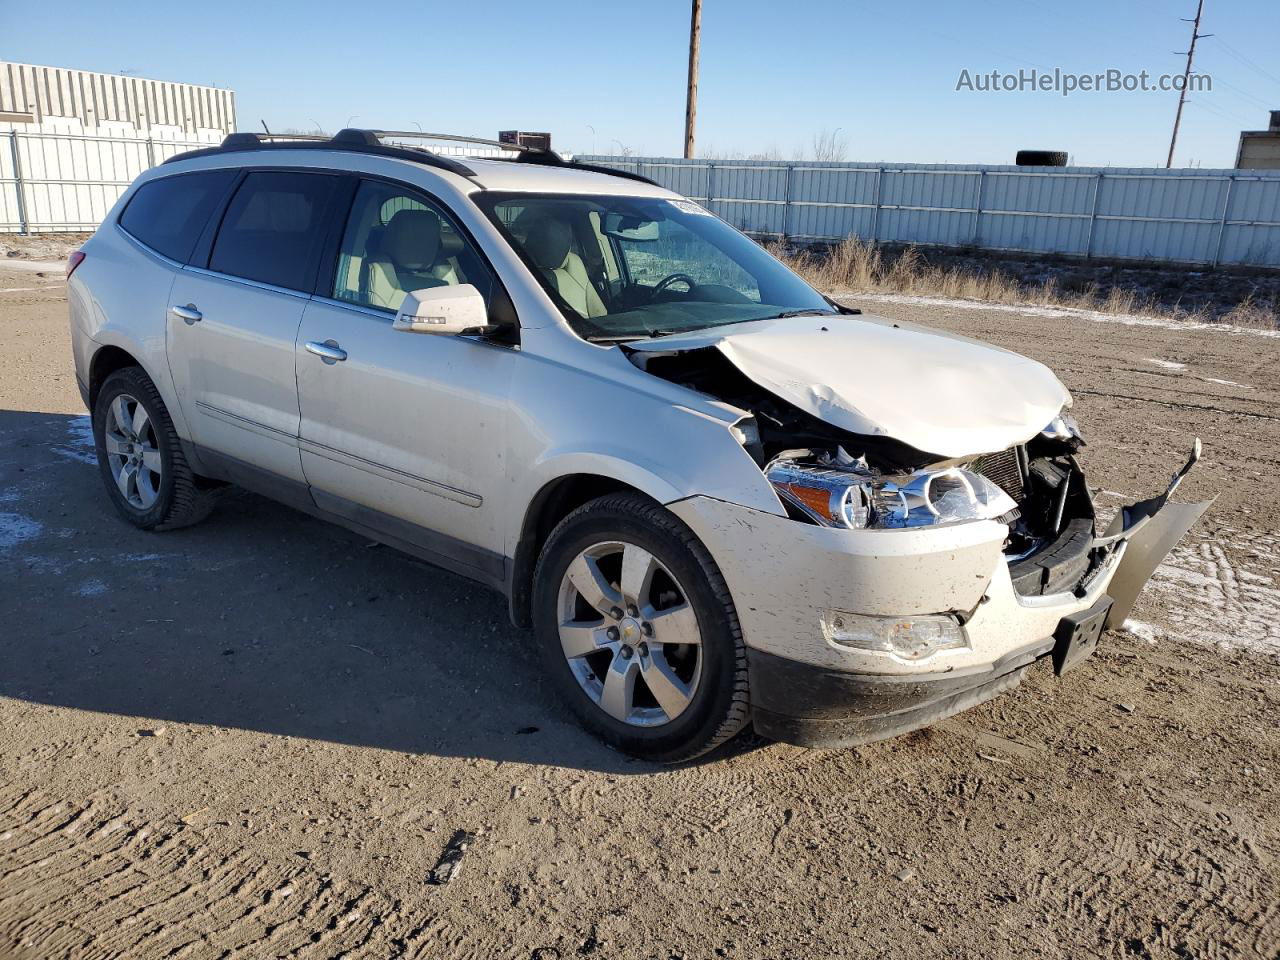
column 412, row 238
column 548, row 243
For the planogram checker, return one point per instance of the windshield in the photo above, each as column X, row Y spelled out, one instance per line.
column 628, row 267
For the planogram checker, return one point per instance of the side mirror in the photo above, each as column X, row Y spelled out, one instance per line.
column 446, row 310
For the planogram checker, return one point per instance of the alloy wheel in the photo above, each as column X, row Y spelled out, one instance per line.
column 133, row 452
column 629, row 634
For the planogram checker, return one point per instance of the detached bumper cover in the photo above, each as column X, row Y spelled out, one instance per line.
column 810, row 691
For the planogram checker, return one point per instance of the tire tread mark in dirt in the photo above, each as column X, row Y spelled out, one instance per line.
column 135, row 891
column 1079, row 391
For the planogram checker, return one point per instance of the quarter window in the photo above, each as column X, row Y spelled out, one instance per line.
column 396, row 242
column 168, row 215
column 273, row 228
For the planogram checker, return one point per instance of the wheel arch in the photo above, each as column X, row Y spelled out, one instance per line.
column 554, row 501
column 107, row 360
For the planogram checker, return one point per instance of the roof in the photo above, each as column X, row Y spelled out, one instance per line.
column 516, row 176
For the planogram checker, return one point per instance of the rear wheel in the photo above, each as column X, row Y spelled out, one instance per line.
column 140, row 459
column 638, row 630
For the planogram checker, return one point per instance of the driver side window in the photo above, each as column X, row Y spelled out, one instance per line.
column 396, row 242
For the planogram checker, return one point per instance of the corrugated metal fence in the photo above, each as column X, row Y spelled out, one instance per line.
column 60, row 182
column 1189, row 216
column 51, row 182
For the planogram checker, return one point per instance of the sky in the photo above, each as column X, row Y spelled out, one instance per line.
column 608, row 77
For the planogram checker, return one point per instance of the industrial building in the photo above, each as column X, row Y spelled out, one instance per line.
column 1260, row 149
column 55, row 100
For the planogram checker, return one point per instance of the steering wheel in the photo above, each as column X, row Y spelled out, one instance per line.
column 674, row 278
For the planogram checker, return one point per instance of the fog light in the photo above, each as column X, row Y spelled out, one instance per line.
column 909, row 638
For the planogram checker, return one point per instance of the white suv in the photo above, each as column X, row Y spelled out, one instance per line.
column 717, row 495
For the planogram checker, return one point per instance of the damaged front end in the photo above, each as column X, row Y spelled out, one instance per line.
column 832, row 477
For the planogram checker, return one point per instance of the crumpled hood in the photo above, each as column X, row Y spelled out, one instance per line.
column 940, row 393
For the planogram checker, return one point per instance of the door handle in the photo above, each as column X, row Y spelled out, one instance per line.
column 189, row 313
column 329, row 351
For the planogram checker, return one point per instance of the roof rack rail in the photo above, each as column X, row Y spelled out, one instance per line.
column 524, row 154
column 359, row 141
column 371, row 141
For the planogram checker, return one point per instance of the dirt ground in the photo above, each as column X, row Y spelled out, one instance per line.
column 255, row 738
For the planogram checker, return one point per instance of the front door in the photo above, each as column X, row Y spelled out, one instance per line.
column 403, row 432
column 232, row 325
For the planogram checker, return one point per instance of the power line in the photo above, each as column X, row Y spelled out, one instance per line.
column 1233, row 52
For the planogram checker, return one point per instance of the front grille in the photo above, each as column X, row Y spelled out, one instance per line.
column 1003, row 470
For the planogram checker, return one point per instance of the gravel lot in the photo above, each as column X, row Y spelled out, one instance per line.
column 256, row 738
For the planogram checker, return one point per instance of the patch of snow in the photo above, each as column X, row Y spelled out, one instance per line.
column 16, row 529
column 1216, row 601
column 80, row 432
column 1167, row 364
column 55, row 267
column 79, row 444
column 1227, row 383
column 91, row 588
column 1095, row 316
column 1143, row 631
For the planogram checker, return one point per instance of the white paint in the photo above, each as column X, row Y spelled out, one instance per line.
column 16, row 529
column 945, row 394
column 1094, row 316
column 1167, row 364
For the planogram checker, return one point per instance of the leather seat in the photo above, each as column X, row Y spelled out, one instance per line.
column 407, row 259
column 547, row 243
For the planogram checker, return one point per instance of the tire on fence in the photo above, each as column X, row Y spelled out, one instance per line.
column 1041, row 158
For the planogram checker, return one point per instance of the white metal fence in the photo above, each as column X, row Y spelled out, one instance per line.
column 59, row 182
column 1189, row 216
column 65, row 183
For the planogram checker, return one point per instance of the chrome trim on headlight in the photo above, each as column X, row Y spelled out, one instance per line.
column 862, row 500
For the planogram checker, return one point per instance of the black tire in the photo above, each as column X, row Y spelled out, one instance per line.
column 1040, row 158
column 183, row 498
column 720, row 704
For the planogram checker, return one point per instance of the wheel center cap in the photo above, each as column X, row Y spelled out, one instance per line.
column 630, row 630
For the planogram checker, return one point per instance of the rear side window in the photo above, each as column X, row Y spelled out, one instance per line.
column 273, row 228
column 168, row 215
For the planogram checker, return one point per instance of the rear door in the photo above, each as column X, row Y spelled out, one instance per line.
column 405, row 432
column 234, row 315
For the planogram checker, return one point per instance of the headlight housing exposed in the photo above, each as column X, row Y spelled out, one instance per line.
column 850, row 498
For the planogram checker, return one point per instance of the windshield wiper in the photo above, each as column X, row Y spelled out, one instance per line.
column 788, row 314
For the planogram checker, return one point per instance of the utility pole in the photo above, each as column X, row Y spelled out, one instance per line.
column 1186, row 78
column 691, row 99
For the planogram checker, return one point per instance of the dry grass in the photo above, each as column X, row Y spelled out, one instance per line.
column 860, row 267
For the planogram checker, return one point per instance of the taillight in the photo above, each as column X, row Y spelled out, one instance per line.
column 74, row 261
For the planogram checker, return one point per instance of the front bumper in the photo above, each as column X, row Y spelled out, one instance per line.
column 805, row 689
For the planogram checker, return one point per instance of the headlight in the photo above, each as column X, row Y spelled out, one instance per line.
column 844, row 498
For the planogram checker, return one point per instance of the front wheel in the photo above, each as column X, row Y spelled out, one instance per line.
column 638, row 630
